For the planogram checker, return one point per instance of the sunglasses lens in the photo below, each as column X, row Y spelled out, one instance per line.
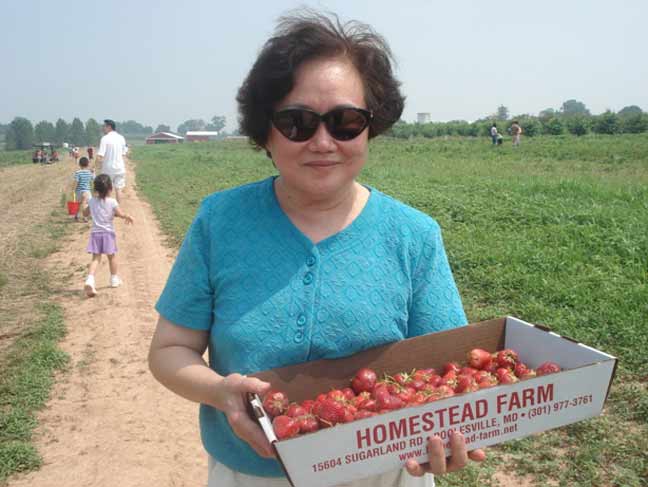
column 346, row 123
column 297, row 125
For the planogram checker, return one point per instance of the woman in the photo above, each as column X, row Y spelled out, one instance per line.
column 306, row 265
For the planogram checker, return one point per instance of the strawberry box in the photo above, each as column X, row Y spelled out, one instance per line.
column 385, row 442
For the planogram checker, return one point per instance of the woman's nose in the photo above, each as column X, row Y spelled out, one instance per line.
column 322, row 141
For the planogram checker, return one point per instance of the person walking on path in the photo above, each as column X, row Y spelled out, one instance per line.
column 516, row 132
column 110, row 156
column 82, row 186
column 103, row 210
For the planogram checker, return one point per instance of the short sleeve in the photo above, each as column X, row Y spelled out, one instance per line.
column 436, row 304
column 102, row 147
column 187, row 299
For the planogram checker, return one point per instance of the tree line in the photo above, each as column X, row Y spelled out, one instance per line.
column 572, row 118
column 20, row 133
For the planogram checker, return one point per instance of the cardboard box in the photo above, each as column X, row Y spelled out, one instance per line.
column 385, row 442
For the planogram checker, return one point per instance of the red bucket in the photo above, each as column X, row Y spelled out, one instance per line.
column 73, row 207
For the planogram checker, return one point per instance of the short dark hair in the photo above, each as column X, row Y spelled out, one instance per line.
column 306, row 35
column 84, row 162
column 110, row 123
column 103, row 185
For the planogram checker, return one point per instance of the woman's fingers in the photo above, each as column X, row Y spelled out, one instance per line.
column 458, row 453
column 436, row 456
column 250, row 432
column 438, row 464
column 477, row 455
column 415, row 469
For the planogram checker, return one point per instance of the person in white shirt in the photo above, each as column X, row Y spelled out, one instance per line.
column 112, row 150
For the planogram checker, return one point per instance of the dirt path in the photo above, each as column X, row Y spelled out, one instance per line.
column 108, row 422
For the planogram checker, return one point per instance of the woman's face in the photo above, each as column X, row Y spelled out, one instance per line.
column 322, row 165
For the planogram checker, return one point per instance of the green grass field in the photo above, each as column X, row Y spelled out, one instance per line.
column 13, row 157
column 555, row 232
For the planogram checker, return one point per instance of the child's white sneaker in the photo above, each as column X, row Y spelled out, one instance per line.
column 89, row 287
column 115, row 281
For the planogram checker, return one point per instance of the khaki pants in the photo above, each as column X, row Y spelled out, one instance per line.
column 221, row 476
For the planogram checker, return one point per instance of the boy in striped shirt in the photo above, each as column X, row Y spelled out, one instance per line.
column 82, row 185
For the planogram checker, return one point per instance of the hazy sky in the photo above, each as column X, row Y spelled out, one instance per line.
column 168, row 61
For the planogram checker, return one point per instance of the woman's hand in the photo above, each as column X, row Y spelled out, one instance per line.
column 232, row 391
column 438, row 464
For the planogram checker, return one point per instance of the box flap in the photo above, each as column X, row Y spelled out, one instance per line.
column 538, row 344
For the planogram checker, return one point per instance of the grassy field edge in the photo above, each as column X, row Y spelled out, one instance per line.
column 27, row 381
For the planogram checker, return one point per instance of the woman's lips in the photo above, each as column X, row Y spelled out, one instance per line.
column 322, row 163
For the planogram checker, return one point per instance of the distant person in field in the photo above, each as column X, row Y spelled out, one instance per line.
column 494, row 133
column 516, row 132
column 103, row 240
column 83, row 178
column 112, row 150
column 90, row 152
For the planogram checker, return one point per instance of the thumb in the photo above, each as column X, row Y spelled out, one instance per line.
column 254, row 385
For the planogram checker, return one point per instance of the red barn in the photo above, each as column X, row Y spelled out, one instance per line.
column 164, row 138
column 200, row 135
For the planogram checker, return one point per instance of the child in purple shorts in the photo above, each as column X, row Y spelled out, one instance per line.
column 103, row 210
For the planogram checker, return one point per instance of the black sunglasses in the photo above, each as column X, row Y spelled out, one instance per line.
column 300, row 124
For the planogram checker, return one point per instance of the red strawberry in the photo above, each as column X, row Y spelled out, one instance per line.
column 307, row 423
column 467, row 371
column 421, row 397
column 441, row 392
column 275, row 403
column 349, row 414
column 478, row 358
column 348, row 393
column 406, row 394
column 360, row 400
column 320, row 397
column 492, row 365
column 364, row 381
column 488, row 382
column 285, row 427
column 451, row 366
column 336, row 395
column 417, row 384
column 402, row 378
column 466, row 383
column 449, row 379
column 524, row 372
column 331, row 412
column 423, row 374
column 548, row 368
column 363, row 413
column 295, row 410
column 507, row 358
column 506, row 376
column 308, row 405
column 370, row 405
column 482, row 375
column 389, row 402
